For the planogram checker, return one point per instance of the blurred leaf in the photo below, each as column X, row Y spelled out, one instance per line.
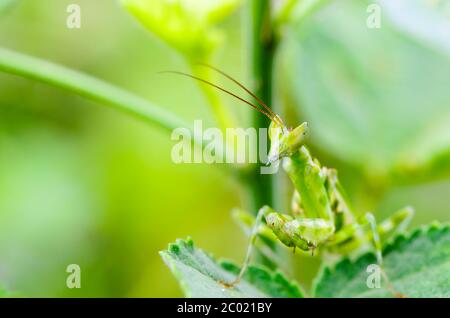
column 423, row 20
column 6, row 4
column 295, row 10
column 4, row 293
column 417, row 266
column 199, row 275
column 187, row 25
column 374, row 98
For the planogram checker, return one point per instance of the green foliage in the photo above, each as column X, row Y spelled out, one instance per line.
column 292, row 11
column 355, row 83
column 4, row 293
column 6, row 4
column 426, row 21
column 199, row 275
column 187, row 25
column 418, row 265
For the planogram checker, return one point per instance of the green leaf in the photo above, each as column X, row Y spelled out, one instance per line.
column 417, row 265
column 199, row 275
column 426, row 21
column 295, row 10
column 6, row 4
column 374, row 98
column 186, row 25
column 4, row 293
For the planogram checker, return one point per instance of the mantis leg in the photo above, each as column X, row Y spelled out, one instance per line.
column 253, row 236
column 348, row 239
column 397, row 222
column 377, row 243
column 375, row 237
column 266, row 240
column 394, row 223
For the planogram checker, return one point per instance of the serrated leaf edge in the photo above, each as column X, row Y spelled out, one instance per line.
column 167, row 258
column 389, row 247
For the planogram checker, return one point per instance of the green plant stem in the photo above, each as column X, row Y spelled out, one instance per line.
column 87, row 86
column 262, row 54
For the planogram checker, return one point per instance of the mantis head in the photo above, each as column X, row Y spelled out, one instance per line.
column 285, row 142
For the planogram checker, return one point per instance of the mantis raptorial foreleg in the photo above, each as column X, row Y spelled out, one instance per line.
column 301, row 232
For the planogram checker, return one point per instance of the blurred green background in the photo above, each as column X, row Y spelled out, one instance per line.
column 80, row 183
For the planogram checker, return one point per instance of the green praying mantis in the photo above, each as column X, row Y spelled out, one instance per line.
column 321, row 217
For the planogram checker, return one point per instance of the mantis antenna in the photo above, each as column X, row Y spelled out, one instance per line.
column 270, row 115
column 260, row 102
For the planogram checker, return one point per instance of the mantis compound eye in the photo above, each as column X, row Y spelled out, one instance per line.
column 296, row 137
